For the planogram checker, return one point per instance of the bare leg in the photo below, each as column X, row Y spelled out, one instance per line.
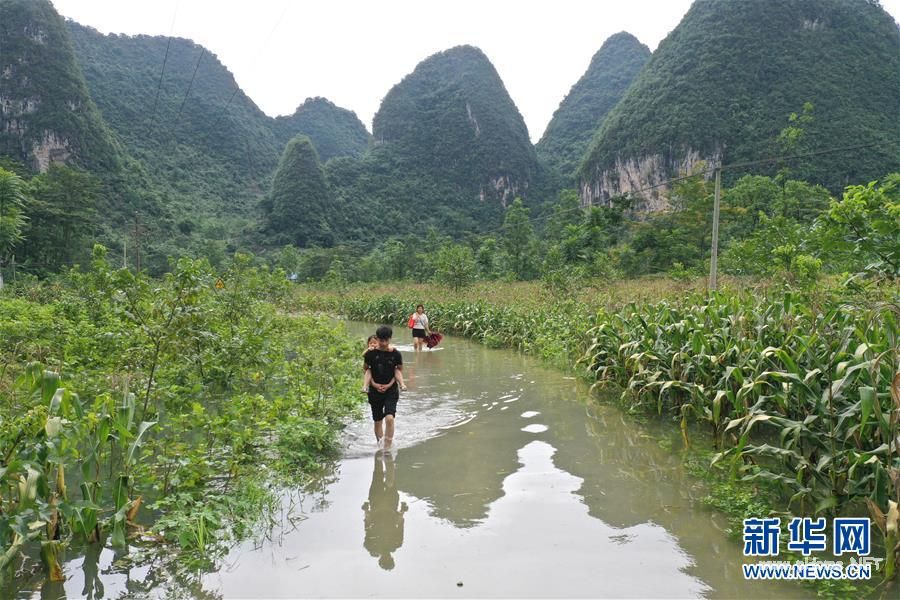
column 379, row 431
column 388, row 430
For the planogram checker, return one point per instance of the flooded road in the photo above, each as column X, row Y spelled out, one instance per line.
column 506, row 481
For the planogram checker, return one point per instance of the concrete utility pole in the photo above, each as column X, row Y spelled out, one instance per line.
column 715, row 233
column 137, row 241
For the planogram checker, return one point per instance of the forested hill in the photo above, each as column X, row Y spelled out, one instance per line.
column 48, row 118
column 203, row 140
column 612, row 70
column 453, row 119
column 186, row 163
column 46, row 112
column 333, row 130
column 722, row 84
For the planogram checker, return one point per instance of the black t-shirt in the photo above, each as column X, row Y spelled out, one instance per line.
column 382, row 364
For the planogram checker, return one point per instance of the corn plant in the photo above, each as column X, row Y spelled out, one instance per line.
column 794, row 390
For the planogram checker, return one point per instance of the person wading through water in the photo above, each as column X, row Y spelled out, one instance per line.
column 386, row 366
column 419, row 323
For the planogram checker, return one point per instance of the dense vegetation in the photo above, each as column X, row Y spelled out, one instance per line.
column 798, row 391
column 119, row 392
column 452, row 116
column 796, row 378
column 204, row 152
column 183, row 123
column 451, row 152
column 209, row 150
column 44, row 93
column 721, row 82
column 785, row 230
column 612, row 69
column 49, row 118
column 334, row 131
column 300, row 203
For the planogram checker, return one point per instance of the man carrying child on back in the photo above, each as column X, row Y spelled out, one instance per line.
column 385, row 364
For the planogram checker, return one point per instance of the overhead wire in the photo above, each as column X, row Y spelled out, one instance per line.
column 163, row 71
column 712, row 169
column 190, row 87
column 259, row 52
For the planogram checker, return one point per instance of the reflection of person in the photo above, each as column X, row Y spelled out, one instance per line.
column 386, row 364
column 420, row 327
column 383, row 519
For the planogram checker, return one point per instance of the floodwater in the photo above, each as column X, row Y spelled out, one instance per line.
column 506, row 480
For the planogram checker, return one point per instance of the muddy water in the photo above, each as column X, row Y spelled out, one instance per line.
column 506, row 480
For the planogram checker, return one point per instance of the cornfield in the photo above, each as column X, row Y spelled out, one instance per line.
column 804, row 394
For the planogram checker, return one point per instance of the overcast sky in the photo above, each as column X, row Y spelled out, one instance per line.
column 352, row 51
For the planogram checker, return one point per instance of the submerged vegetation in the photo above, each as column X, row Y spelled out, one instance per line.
column 801, row 389
column 159, row 411
column 796, row 378
column 166, row 404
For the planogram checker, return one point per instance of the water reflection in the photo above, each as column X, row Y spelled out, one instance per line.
column 558, row 496
column 93, row 584
column 383, row 520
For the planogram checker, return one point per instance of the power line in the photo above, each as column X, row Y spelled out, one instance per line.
column 808, row 154
column 190, row 86
column 582, row 208
column 163, row 72
column 259, row 52
column 712, row 170
column 187, row 94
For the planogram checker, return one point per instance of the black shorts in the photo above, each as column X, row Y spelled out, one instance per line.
column 383, row 404
column 419, row 333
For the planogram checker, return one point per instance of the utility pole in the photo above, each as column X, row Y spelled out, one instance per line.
column 715, row 233
column 137, row 241
column 124, row 253
column 1, row 250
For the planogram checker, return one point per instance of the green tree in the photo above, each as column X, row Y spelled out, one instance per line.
column 394, row 261
column 565, row 213
column 683, row 235
column 456, row 267
column 865, row 225
column 289, row 259
column 518, row 240
column 802, row 201
column 755, row 196
column 751, row 197
column 589, row 240
column 793, row 138
column 62, row 218
column 300, row 201
column 487, row 258
column 12, row 217
column 557, row 277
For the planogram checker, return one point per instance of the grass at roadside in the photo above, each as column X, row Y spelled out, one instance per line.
column 173, row 411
